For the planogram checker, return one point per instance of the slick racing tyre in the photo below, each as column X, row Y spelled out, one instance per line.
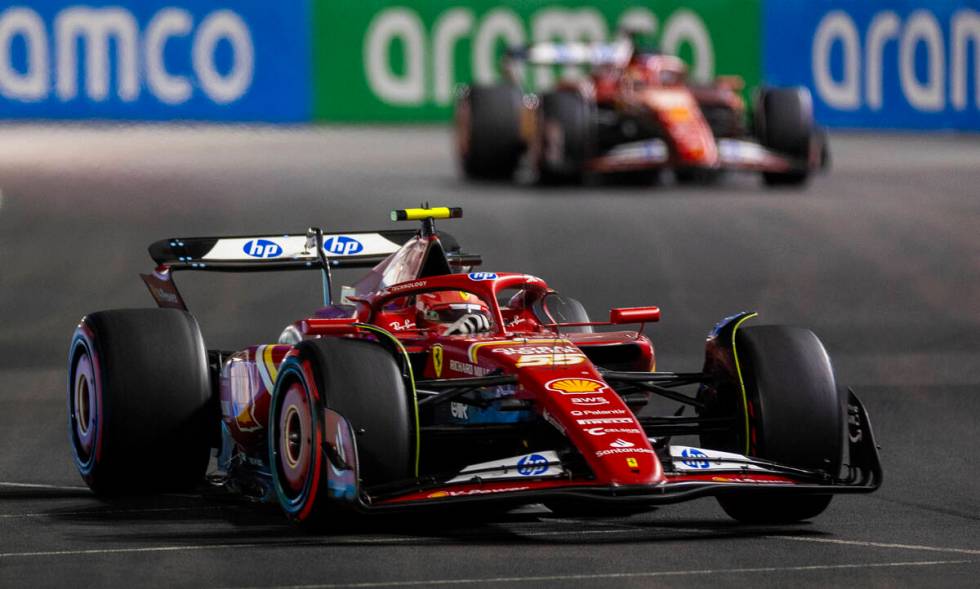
column 140, row 417
column 784, row 124
column 567, row 134
column 794, row 415
column 488, row 131
column 360, row 381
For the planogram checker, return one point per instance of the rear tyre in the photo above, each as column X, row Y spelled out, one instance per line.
column 488, row 131
column 567, row 134
column 784, row 123
column 795, row 417
column 361, row 381
column 140, row 417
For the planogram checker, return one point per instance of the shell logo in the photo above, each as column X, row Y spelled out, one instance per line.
column 576, row 386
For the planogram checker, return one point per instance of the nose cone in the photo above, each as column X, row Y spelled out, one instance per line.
column 687, row 130
column 572, row 395
column 598, row 423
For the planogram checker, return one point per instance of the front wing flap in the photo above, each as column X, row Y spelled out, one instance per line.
column 690, row 473
column 733, row 154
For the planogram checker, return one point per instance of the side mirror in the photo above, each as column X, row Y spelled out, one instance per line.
column 634, row 315
column 338, row 326
column 735, row 83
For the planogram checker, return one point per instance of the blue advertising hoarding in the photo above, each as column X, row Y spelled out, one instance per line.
column 247, row 60
column 902, row 64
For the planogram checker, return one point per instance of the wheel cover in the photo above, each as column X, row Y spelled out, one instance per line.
column 295, row 425
column 84, row 407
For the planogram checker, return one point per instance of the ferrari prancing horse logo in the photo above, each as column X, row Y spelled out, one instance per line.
column 437, row 360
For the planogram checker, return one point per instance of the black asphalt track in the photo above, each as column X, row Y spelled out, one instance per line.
column 880, row 257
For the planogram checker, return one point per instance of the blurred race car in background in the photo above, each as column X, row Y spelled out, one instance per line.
column 635, row 114
column 430, row 385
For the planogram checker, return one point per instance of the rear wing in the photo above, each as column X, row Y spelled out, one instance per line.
column 617, row 53
column 268, row 253
column 314, row 250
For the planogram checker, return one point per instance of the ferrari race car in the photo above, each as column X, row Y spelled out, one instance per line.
column 431, row 384
column 633, row 115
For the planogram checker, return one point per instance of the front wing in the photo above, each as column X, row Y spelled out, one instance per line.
column 690, row 473
column 733, row 154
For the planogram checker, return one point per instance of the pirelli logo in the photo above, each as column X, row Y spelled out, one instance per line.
column 604, row 420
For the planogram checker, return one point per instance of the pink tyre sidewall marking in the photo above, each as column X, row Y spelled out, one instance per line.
column 295, row 438
column 85, row 405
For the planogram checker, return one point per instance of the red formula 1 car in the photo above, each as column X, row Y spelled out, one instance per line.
column 430, row 384
column 633, row 115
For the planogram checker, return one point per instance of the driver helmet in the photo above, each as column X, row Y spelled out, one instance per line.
column 448, row 307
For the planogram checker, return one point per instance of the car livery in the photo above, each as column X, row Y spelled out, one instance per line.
column 418, row 391
column 635, row 113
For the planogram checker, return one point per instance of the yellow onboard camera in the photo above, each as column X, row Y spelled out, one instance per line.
column 422, row 214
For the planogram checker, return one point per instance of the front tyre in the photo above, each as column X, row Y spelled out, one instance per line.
column 773, row 509
column 791, row 413
column 567, row 136
column 360, row 381
column 784, row 124
column 139, row 401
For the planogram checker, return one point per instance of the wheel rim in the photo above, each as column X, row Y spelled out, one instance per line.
column 295, row 440
column 293, row 437
column 84, row 410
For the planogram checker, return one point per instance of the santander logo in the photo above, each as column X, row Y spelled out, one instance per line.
column 621, row 443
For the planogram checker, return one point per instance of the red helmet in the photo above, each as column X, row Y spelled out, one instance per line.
column 448, row 306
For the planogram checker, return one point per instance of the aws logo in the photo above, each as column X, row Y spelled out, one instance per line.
column 262, row 248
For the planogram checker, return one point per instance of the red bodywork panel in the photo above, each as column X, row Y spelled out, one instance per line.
column 247, row 380
column 532, row 355
column 551, row 367
column 688, row 133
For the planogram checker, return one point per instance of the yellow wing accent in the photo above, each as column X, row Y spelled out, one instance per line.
column 741, row 382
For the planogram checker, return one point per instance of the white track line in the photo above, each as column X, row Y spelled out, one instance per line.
column 95, row 512
column 418, row 541
column 876, row 544
column 288, row 543
column 177, row 548
column 634, row 575
column 865, row 543
column 42, row 486
column 274, row 544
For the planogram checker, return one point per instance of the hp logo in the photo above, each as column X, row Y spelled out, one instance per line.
column 341, row 245
column 692, row 457
column 262, row 248
column 532, row 464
